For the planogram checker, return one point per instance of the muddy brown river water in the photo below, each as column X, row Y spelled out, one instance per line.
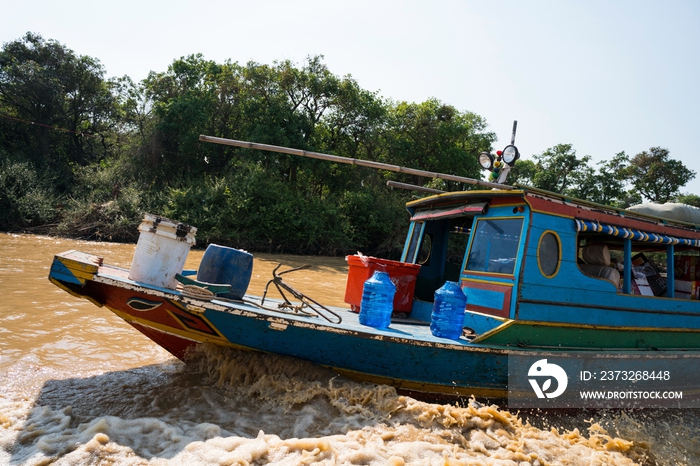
column 80, row 386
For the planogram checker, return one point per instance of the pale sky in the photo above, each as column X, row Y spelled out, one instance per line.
column 603, row 75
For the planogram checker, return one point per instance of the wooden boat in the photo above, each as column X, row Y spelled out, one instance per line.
column 535, row 266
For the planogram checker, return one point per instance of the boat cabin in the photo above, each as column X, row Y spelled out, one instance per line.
column 530, row 255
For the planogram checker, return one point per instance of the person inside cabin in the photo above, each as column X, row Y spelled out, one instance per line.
column 596, row 258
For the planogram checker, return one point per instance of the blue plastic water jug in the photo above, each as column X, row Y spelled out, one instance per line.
column 377, row 300
column 447, row 318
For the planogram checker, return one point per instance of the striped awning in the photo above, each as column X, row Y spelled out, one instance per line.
column 635, row 235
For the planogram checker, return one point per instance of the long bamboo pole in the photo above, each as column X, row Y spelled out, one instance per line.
column 351, row 161
column 413, row 187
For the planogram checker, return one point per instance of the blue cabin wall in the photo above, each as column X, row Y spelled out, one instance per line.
column 572, row 297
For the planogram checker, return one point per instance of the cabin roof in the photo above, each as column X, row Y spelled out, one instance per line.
column 529, row 194
column 462, row 196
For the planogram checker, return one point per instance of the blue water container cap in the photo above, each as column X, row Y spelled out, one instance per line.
column 452, row 289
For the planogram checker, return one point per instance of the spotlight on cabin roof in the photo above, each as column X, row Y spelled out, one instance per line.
column 486, row 160
column 492, row 162
column 510, row 154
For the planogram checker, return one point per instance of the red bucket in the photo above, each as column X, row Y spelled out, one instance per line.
column 402, row 274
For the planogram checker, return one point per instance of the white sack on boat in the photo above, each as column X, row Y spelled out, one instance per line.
column 671, row 210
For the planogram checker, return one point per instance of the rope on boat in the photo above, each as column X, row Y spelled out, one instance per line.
column 283, row 308
column 307, row 306
column 197, row 292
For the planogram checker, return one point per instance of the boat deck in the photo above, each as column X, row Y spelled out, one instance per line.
column 401, row 327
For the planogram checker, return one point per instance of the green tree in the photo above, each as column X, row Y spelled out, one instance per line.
column 125, row 147
column 436, row 137
column 25, row 200
column 606, row 185
column 656, row 176
column 351, row 127
column 182, row 101
column 559, row 170
column 58, row 108
column 354, row 125
column 690, row 199
column 312, row 91
column 612, row 179
column 584, row 182
column 523, row 173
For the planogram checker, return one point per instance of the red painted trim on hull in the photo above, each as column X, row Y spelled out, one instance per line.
column 175, row 345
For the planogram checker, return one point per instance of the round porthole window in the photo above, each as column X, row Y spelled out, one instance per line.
column 549, row 254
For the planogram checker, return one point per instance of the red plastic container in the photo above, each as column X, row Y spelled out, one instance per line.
column 402, row 274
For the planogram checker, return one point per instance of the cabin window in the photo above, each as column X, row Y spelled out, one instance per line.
column 649, row 264
column 686, row 276
column 440, row 252
column 549, row 254
column 605, row 257
column 598, row 259
column 649, row 273
column 414, row 242
column 457, row 240
column 425, row 250
column 495, row 245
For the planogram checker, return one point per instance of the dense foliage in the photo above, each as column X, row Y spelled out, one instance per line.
column 86, row 156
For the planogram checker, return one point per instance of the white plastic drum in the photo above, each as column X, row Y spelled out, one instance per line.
column 161, row 251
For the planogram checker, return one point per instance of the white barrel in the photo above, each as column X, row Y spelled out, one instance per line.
column 161, row 251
